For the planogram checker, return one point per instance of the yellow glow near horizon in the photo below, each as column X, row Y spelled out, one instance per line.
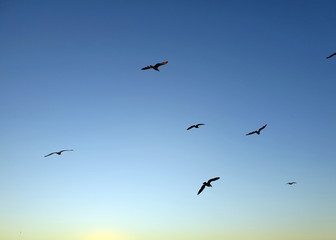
column 104, row 235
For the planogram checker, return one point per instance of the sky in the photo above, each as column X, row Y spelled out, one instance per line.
column 71, row 79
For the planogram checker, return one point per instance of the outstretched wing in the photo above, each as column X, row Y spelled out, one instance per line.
column 200, row 124
column 190, row 127
column 148, row 67
column 65, row 150
column 160, row 64
column 262, row 127
column 251, row 133
column 49, row 154
column 213, row 179
column 332, row 55
column 201, row 189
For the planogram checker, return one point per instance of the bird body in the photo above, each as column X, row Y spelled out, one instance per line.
column 257, row 132
column 155, row 67
column 207, row 184
column 331, row 55
column 195, row 126
column 58, row 153
column 291, row 183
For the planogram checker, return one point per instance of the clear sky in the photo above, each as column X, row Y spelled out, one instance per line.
column 70, row 78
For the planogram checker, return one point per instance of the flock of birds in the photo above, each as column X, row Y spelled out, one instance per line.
column 208, row 183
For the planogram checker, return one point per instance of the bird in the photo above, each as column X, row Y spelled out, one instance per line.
column 195, row 126
column 257, row 132
column 331, row 55
column 291, row 183
column 59, row 153
column 207, row 184
column 155, row 67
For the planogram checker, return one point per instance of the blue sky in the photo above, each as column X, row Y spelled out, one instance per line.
column 70, row 79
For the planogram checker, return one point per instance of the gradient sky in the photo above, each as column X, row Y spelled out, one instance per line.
column 70, row 79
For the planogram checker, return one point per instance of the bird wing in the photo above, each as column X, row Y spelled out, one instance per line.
column 148, row 67
column 160, row 64
column 251, row 133
column 65, row 150
column 200, row 124
column 201, row 189
column 49, row 154
column 213, row 179
column 332, row 55
column 190, row 127
column 262, row 127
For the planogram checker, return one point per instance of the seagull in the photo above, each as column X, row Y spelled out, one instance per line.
column 207, row 184
column 291, row 183
column 59, row 153
column 331, row 55
column 257, row 132
column 155, row 67
column 195, row 126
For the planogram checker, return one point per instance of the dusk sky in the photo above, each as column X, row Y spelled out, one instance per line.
column 71, row 78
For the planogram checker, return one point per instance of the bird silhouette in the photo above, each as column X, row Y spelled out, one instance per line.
column 331, row 55
column 155, row 67
column 257, row 132
column 207, row 184
column 59, row 153
column 195, row 126
column 291, row 183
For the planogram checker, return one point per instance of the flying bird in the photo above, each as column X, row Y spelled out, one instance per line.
column 59, row 153
column 207, row 184
column 155, row 67
column 257, row 132
column 331, row 55
column 291, row 183
column 195, row 126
